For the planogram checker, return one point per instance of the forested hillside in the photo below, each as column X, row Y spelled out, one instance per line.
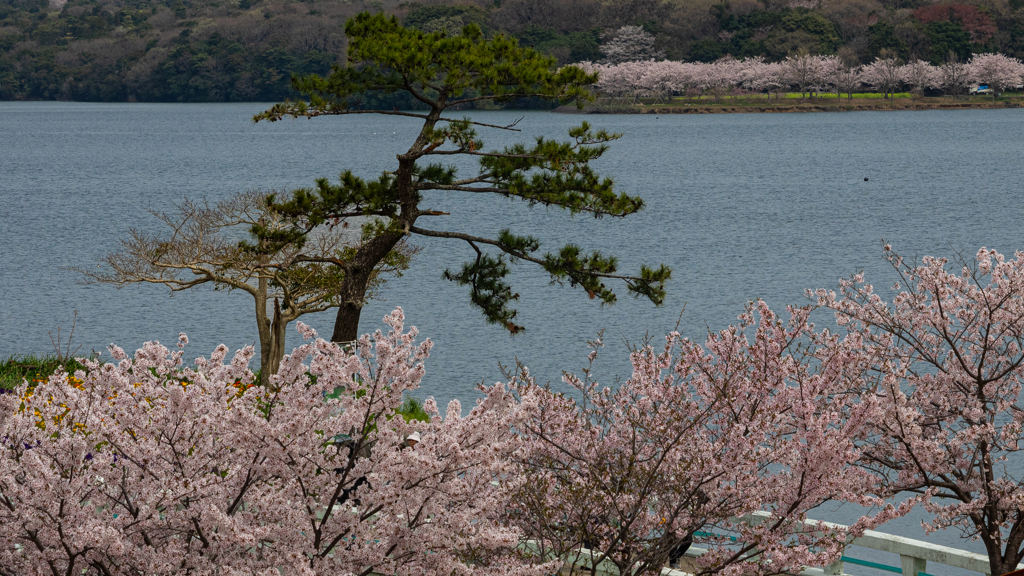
column 246, row 50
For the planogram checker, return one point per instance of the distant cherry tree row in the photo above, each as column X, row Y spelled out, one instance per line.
column 804, row 74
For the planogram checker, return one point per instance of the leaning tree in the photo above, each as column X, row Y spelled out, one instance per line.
column 441, row 72
column 217, row 244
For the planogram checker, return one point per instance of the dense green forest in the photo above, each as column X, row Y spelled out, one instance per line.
column 246, row 50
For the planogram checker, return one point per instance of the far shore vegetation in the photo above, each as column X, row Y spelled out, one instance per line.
column 247, row 50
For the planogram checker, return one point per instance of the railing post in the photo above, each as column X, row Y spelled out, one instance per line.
column 911, row 566
column 834, row 568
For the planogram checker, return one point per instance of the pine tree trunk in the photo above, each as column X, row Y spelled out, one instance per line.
column 356, row 282
column 346, row 323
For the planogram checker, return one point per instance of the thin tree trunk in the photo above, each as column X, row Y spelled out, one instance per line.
column 1013, row 544
column 272, row 353
column 264, row 327
column 1001, row 562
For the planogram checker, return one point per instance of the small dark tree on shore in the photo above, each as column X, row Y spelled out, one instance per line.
column 201, row 246
column 443, row 72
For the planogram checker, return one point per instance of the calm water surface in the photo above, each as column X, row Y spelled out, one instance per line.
column 741, row 206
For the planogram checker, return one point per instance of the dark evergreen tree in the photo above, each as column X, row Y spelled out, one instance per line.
column 444, row 71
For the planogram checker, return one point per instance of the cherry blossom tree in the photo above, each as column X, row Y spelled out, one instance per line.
column 145, row 467
column 723, row 74
column 921, row 75
column 996, row 70
column 885, row 74
column 826, row 68
column 697, row 438
column 845, row 79
column 704, row 77
column 686, row 78
column 774, row 79
column 947, row 363
column 752, row 74
column 286, row 280
column 954, row 75
column 805, row 72
column 630, row 44
column 660, row 79
column 625, row 80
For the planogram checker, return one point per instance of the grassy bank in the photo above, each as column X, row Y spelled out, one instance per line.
column 14, row 370
column 792, row 103
column 32, row 368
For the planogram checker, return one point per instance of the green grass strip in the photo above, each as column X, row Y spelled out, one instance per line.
column 15, row 369
column 856, row 95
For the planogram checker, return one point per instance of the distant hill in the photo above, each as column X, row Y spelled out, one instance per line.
column 246, row 50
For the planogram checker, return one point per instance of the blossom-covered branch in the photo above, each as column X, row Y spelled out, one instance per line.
column 146, row 467
column 947, row 364
column 763, row 417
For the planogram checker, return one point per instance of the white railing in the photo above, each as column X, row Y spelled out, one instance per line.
column 914, row 555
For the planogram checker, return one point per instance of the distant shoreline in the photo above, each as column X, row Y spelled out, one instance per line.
column 784, row 106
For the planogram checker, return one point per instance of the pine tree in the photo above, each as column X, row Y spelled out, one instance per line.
column 443, row 72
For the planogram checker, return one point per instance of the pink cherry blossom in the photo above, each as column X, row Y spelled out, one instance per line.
column 996, row 70
column 946, row 367
column 147, row 467
column 759, row 418
column 805, row 73
column 885, row 74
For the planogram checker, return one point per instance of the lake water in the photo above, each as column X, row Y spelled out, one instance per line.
column 741, row 206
